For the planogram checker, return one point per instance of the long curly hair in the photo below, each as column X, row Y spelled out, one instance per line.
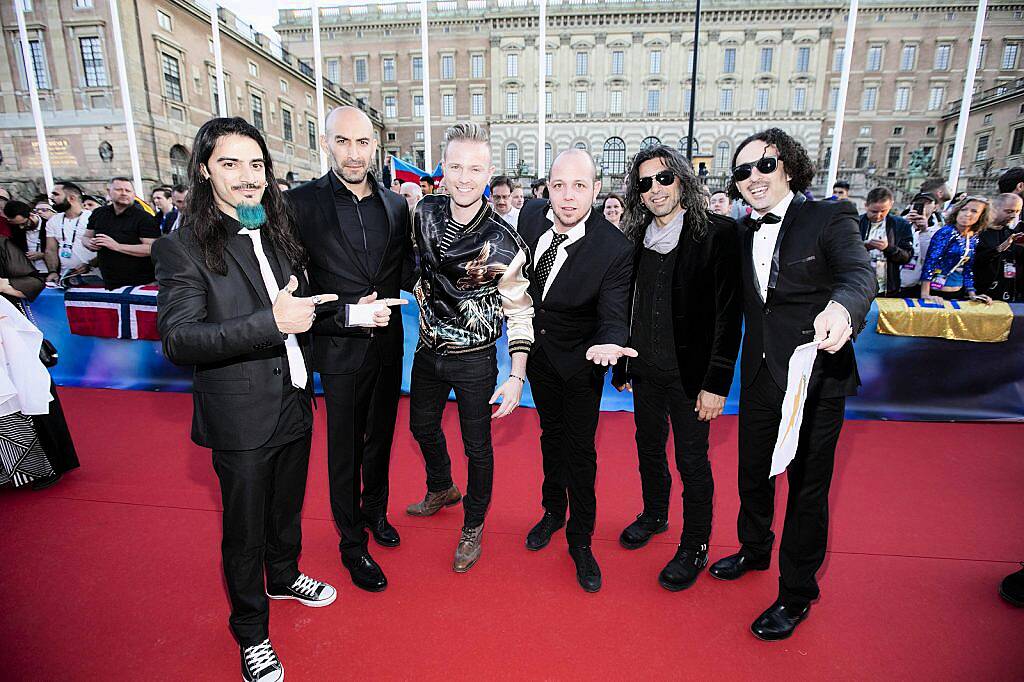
column 637, row 217
column 207, row 228
column 794, row 158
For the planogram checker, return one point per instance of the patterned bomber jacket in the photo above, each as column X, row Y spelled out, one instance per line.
column 472, row 278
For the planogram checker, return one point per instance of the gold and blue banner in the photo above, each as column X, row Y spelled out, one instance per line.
column 953, row 320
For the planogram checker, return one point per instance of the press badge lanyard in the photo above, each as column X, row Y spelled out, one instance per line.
column 66, row 246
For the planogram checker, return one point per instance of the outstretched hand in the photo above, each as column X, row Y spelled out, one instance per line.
column 295, row 314
column 609, row 353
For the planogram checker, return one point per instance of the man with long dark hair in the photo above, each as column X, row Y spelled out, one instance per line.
column 226, row 306
column 806, row 276
column 685, row 326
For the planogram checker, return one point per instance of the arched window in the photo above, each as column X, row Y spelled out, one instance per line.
column 511, row 157
column 682, row 146
column 649, row 142
column 614, row 156
column 179, row 165
column 580, row 145
column 722, row 154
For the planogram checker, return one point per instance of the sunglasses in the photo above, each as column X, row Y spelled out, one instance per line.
column 766, row 165
column 664, row 178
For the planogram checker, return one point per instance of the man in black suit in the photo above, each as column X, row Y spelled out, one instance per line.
column 685, row 325
column 226, row 306
column 358, row 236
column 580, row 288
column 806, row 276
column 889, row 240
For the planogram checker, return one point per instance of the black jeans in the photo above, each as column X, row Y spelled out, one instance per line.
column 362, row 408
column 472, row 376
column 805, row 532
column 658, row 397
column 262, row 491
column 568, row 411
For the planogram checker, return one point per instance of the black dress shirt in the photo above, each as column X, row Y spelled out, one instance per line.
column 365, row 218
column 652, row 324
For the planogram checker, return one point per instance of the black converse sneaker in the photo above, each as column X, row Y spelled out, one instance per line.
column 306, row 591
column 261, row 664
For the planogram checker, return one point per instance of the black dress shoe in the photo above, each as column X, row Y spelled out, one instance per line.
column 44, row 483
column 366, row 574
column 734, row 566
column 588, row 573
column 779, row 621
column 684, row 568
column 1012, row 588
column 638, row 533
column 384, row 534
column 540, row 535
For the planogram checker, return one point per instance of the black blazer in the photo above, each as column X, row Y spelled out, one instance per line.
column 587, row 302
column 819, row 257
column 335, row 267
column 706, row 307
column 899, row 234
column 224, row 326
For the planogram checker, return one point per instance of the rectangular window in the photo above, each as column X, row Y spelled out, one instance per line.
column 172, row 77
column 1017, row 142
column 38, row 63
column 618, row 61
column 388, row 68
column 582, row 63
column 799, row 99
column 833, row 99
column 476, row 63
column 447, row 67
column 257, row 111
column 869, row 100
column 283, row 85
column 417, row 106
column 83, row 4
column 512, row 104
column 729, row 60
column 893, row 158
column 448, row 105
column 982, row 153
column 725, row 101
column 549, row 64
column 163, row 20
column 478, row 104
column 214, row 95
column 874, row 58
column 333, row 70
column 359, row 66
column 581, row 102
column 417, row 68
column 92, row 63
column 311, row 133
column 862, row 157
column 655, row 62
column 982, row 53
column 908, row 57
column 653, row 102
column 1009, row 60
column 930, row 131
column 686, row 101
column 942, row 53
column 865, row 131
column 767, row 55
column 512, row 65
column 935, row 98
column 803, row 59
column 549, row 103
column 837, row 59
column 286, row 124
column 390, row 106
column 761, row 100
column 615, row 102
column 902, row 100
column 254, row 69
column 897, row 131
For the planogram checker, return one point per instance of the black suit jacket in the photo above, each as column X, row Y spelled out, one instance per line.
column 899, row 234
column 706, row 307
column 224, row 326
column 819, row 257
column 588, row 298
column 336, row 267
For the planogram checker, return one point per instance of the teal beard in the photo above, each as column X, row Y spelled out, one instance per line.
column 251, row 216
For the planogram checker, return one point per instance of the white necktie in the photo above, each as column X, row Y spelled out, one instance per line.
column 296, row 365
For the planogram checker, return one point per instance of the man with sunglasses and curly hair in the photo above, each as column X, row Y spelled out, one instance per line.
column 806, row 276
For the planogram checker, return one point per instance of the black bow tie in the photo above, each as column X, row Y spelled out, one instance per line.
column 769, row 218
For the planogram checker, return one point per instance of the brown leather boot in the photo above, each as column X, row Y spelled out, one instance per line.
column 433, row 502
column 468, row 551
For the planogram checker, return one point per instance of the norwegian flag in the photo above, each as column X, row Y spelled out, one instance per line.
column 124, row 313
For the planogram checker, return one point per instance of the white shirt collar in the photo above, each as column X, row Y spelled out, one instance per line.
column 575, row 232
column 778, row 209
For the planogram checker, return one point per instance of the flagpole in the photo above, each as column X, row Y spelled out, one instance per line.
column 965, row 102
column 542, row 72
column 318, row 74
column 844, row 84
column 126, row 98
column 218, row 61
column 37, row 112
column 693, row 80
column 428, row 161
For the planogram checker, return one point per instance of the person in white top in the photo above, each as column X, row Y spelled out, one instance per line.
column 501, row 197
column 518, row 198
column 64, row 232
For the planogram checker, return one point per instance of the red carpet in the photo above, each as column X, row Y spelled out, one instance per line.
column 115, row 573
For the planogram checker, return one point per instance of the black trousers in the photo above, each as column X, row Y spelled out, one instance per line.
column 362, row 408
column 805, row 532
column 568, row 411
column 657, row 398
column 262, row 491
column 472, row 377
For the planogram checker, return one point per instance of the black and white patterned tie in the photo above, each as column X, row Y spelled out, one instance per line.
column 547, row 259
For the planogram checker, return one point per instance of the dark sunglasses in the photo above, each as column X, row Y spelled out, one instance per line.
column 664, row 178
column 766, row 165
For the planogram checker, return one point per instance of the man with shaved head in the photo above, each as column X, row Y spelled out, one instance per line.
column 359, row 240
column 580, row 286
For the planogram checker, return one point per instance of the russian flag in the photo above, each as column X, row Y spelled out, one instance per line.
column 406, row 172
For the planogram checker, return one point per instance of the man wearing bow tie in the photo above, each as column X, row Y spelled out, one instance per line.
column 806, row 276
